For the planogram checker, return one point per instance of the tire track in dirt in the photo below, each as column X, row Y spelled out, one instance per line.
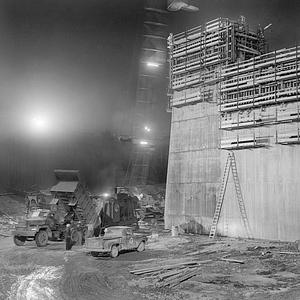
column 94, row 279
column 42, row 284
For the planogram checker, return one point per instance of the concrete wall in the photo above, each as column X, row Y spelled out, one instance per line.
column 269, row 178
column 270, row 183
column 194, row 167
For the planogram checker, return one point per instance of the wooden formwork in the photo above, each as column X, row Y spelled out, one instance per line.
column 250, row 104
column 197, row 54
column 262, row 91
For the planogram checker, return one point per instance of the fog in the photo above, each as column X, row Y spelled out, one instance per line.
column 68, row 79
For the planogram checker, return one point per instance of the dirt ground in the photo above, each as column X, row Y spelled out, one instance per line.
column 29, row 272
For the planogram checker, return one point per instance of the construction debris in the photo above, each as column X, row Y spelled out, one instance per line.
column 7, row 223
column 8, row 216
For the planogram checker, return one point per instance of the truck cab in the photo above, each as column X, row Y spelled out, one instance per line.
column 39, row 225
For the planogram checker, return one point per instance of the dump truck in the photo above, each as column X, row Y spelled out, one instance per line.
column 71, row 203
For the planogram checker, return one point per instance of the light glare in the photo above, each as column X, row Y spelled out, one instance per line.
column 39, row 123
column 152, row 64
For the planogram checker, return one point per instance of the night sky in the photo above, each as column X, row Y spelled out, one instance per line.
column 283, row 14
column 75, row 62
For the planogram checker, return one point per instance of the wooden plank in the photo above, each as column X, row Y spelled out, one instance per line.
column 233, row 260
column 5, row 234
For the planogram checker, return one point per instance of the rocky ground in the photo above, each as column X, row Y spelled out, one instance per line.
column 11, row 208
column 261, row 271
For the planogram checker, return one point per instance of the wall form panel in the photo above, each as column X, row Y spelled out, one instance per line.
column 194, row 167
column 257, row 115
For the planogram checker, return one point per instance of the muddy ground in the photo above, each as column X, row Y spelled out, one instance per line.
column 33, row 273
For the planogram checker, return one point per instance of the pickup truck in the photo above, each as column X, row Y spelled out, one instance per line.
column 115, row 239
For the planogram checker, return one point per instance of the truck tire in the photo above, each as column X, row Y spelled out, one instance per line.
column 114, row 252
column 141, row 247
column 41, row 238
column 19, row 240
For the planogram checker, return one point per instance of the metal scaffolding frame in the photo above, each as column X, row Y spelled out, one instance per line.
column 197, row 55
column 261, row 92
column 151, row 69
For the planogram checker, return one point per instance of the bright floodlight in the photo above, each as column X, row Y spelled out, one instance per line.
column 105, row 194
column 152, row 64
column 143, row 142
column 148, row 129
column 39, row 124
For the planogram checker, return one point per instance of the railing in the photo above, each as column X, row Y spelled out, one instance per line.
column 260, row 117
column 288, row 137
column 245, row 142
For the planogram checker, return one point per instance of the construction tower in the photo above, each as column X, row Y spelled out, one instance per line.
column 152, row 66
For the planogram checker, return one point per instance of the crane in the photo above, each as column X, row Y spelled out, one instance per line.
column 152, row 72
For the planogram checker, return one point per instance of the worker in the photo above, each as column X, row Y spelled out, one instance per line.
column 68, row 237
column 69, row 217
column 79, row 230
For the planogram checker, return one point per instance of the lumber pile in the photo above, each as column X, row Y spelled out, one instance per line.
column 173, row 274
column 291, row 253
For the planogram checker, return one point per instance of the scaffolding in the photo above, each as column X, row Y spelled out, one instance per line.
column 197, row 55
column 261, row 91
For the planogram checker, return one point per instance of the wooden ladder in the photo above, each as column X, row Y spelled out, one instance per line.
column 230, row 164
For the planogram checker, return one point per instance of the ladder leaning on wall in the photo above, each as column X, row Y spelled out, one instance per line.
column 230, row 164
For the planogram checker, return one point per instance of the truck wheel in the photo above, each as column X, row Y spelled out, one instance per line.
column 19, row 240
column 95, row 254
column 141, row 247
column 114, row 251
column 41, row 238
